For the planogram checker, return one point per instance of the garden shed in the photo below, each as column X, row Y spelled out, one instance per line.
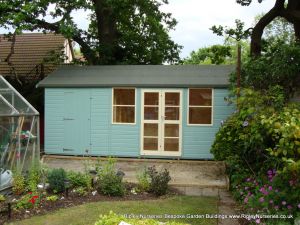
column 151, row 111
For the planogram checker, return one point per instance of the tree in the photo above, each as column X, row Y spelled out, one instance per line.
column 288, row 9
column 120, row 32
column 215, row 54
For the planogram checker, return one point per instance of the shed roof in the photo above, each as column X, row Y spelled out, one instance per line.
column 139, row 76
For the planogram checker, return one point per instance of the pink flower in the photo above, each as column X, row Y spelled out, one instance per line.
column 261, row 199
column 257, row 221
column 276, row 207
column 299, row 205
column 289, row 207
column 271, row 202
column 283, row 202
column 246, row 200
column 270, row 188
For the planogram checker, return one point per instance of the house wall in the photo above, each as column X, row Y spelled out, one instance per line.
column 79, row 121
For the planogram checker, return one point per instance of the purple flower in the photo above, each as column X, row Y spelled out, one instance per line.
column 299, row 205
column 276, row 190
column 261, row 199
column 276, row 207
column 283, row 202
column 248, row 179
column 289, row 207
column 270, row 172
column 245, row 123
column 270, row 188
column 257, row 221
column 246, row 200
column 271, row 201
column 246, row 188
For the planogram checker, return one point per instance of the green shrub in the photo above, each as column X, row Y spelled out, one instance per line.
column 56, row 179
column 113, row 219
column 81, row 191
column 18, row 184
column 109, row 183
column 2, row 198
column 158, row 181
column 78, row 179
column 143, row 181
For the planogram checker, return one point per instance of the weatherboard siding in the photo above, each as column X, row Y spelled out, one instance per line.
column 92, row 131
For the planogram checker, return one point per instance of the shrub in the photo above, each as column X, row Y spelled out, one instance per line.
column 2, row 198
column 109, row 183
column 81, row 191
column 56, row 179
column 143, row 181
column 18, row 185
column 158, row 181
column 78, row 179
column 113, row 219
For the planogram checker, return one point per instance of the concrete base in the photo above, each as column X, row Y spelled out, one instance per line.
column 199, row 178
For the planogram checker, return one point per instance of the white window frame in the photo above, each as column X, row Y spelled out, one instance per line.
column 212, row 108
column 112, row 106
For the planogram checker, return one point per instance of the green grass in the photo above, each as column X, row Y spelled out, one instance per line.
column 89, row 213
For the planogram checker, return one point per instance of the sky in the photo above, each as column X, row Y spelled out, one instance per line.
column 195, row 17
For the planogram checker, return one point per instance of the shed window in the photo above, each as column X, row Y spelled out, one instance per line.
column 200, row 106
column 123, row 105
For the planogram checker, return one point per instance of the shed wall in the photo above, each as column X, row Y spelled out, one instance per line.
column 84, row 116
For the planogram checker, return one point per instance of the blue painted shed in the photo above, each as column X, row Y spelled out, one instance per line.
column 135, row 111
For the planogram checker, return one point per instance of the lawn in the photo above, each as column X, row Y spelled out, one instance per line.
column 87, row 214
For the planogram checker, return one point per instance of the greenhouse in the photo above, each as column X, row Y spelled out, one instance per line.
column 19, row 134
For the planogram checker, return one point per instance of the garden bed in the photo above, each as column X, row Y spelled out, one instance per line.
column 74, row 199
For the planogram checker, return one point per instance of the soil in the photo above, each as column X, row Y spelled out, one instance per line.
column 73, row 199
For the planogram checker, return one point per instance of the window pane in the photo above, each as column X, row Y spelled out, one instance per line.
column 151, row 98
column 171, row 130
column 172, row 99
column 123, row 114
column 151, row 113
column 200, row 97
column 150, row 129
column 151, row 144
column 200, row 115
column 124, row 96
column 172, row 113
column 172, row 144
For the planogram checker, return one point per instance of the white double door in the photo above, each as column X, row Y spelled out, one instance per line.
column 161, row 122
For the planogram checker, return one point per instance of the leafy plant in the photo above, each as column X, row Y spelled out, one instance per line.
column 18, row 185
column 56, row 179
column 158, row 181
column 143, row 181
column 109, row 183
column 78, row 179
column 29, row 200
column 81, row 191
column 33, row 178
column 2, row 198
column 52, row 198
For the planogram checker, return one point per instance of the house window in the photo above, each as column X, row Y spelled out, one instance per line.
column 200, row 106
column 123, row 105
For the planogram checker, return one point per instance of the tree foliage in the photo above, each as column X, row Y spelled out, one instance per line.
column 215, row 54
column 287, row 9
column 120, row 32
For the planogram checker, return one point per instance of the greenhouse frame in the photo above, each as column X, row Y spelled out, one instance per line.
column 19, row 134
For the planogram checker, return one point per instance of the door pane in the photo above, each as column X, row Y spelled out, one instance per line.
column 151, row 144
column 151, row 98
column 171, row 113
column 172, row 99
column 171, row 130
column 172, row 144
column 151, row 129
column 151, row 113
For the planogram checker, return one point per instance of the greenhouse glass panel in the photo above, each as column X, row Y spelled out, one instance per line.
column 19, row 134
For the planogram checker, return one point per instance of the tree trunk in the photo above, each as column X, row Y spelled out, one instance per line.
column 258, row 30
column 107, row 31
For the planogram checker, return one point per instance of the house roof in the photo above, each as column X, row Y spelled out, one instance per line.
column 30, row 50
column 139, row 76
